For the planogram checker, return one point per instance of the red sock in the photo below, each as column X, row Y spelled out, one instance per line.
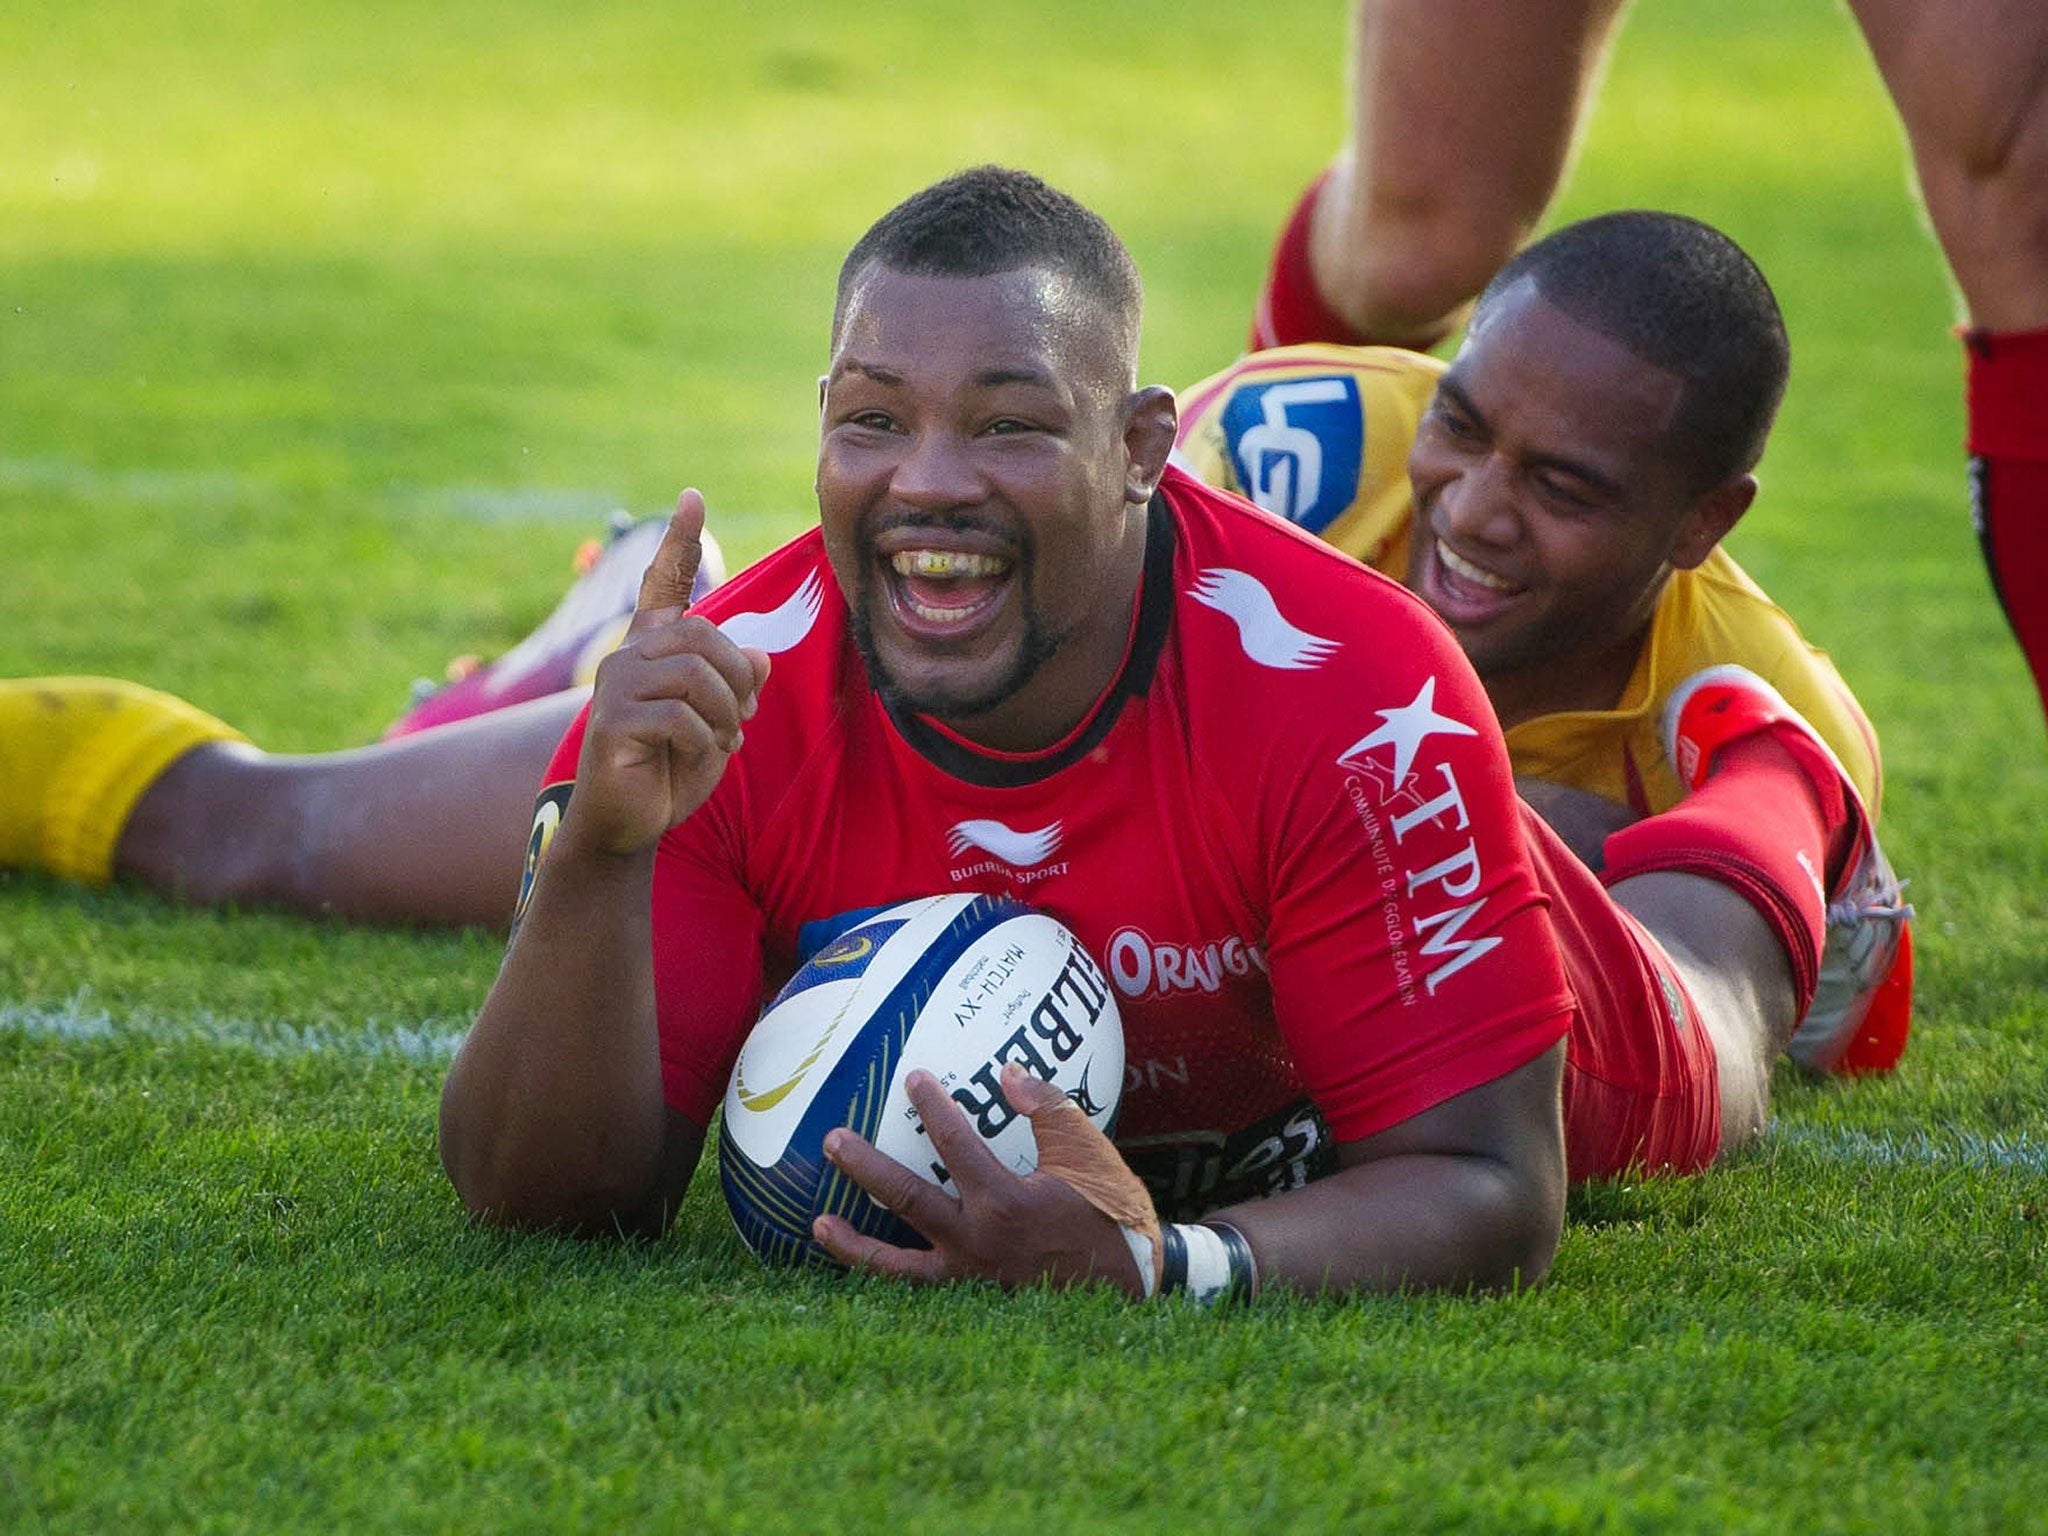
column 1771, row 824
column 1291, row 308
column 2008, row 446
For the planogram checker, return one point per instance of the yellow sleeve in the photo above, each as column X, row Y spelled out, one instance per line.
column 1729, row 618
column 1319, row 435
column 1706, row 617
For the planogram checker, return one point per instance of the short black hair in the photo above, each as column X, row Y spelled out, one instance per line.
column 1681, row 296
column 989, row 219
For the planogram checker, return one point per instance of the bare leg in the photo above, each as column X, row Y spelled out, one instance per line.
column 1970, row 80
column 1735, row 968
column 428, row 829
column 1464, row 114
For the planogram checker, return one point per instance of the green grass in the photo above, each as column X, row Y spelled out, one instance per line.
column 326, row 331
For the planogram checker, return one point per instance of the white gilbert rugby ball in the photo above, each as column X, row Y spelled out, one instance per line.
column 958, row 985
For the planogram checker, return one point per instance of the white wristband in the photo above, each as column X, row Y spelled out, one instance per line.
column 1208, row 1273
column 1208, row 1263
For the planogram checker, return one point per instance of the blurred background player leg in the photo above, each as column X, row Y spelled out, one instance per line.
column 1970, row 80
column 564, row 649
column 101, row 779
column 1463, row 116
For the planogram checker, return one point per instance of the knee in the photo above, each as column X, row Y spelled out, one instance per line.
column 1409, row 262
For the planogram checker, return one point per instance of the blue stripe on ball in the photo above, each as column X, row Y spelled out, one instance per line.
column 773, row 1207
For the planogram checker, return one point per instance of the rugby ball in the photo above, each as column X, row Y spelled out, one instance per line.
column 958, row 985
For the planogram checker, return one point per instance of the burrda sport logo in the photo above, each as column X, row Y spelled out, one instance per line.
column 1024, row 856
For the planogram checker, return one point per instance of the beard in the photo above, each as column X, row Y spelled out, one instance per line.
column 953, row 705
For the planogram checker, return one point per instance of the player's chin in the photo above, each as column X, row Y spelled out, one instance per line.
column 952, row 689
column 951, row 671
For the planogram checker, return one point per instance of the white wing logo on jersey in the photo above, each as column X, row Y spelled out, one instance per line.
column 1267, row 637
column 1020, row 849
column 783, row 626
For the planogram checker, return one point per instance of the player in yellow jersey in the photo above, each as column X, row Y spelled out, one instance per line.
column 1545, row 516
column 1320, row 434
column 1542, row 504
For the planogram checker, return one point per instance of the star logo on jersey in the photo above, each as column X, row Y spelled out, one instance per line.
column 783, row 626
column 1268, row 638
column 1405, row 729
column 1021, row 850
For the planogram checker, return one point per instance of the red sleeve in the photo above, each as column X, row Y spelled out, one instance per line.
column 1411, row 951
column 708, row 967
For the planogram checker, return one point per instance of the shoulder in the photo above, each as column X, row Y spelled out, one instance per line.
column 1718, row 614
column 1275, row 626
column 1316, row 434
column 1238, row 559
column 1319, row 373
column 777, row 601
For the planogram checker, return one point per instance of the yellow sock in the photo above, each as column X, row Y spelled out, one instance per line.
column 76, row 753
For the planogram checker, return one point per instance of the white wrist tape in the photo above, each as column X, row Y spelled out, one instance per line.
column 1147, row 1257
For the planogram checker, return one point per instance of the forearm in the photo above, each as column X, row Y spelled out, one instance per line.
column 1416, row 1222
column 553, row 1111
column 1466, row 1196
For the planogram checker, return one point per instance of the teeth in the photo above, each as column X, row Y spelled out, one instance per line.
column 947, row 564
column 1468, row 571
column 932, row 615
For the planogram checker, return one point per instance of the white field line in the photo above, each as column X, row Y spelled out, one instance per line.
column 1937, row 1147
column 487, row 503
column 431, row 1042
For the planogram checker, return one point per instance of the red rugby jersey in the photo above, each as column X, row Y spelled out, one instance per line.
column 1288, row 834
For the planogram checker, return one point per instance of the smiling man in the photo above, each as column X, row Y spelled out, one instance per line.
column 1559, row 495
column 1189, row 720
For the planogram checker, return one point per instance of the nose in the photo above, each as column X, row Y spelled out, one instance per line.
column 937, row 470
column 1475, row 504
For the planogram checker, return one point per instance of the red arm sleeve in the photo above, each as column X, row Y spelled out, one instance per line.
column 707, row 962
column 1411, row 951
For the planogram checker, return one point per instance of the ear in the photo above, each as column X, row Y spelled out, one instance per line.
column 1709, row 520
column 1150, row 420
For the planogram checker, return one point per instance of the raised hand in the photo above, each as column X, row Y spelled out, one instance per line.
column 1003, row 1227
column 668, row 706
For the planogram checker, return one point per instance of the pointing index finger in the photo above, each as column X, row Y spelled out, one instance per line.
column 665, row 588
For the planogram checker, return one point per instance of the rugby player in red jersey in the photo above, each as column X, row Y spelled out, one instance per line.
column 1210, row 726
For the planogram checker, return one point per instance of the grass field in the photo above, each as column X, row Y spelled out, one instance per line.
column 326, row 332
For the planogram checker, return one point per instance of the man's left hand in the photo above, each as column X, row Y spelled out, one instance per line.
column 1013, row 1229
